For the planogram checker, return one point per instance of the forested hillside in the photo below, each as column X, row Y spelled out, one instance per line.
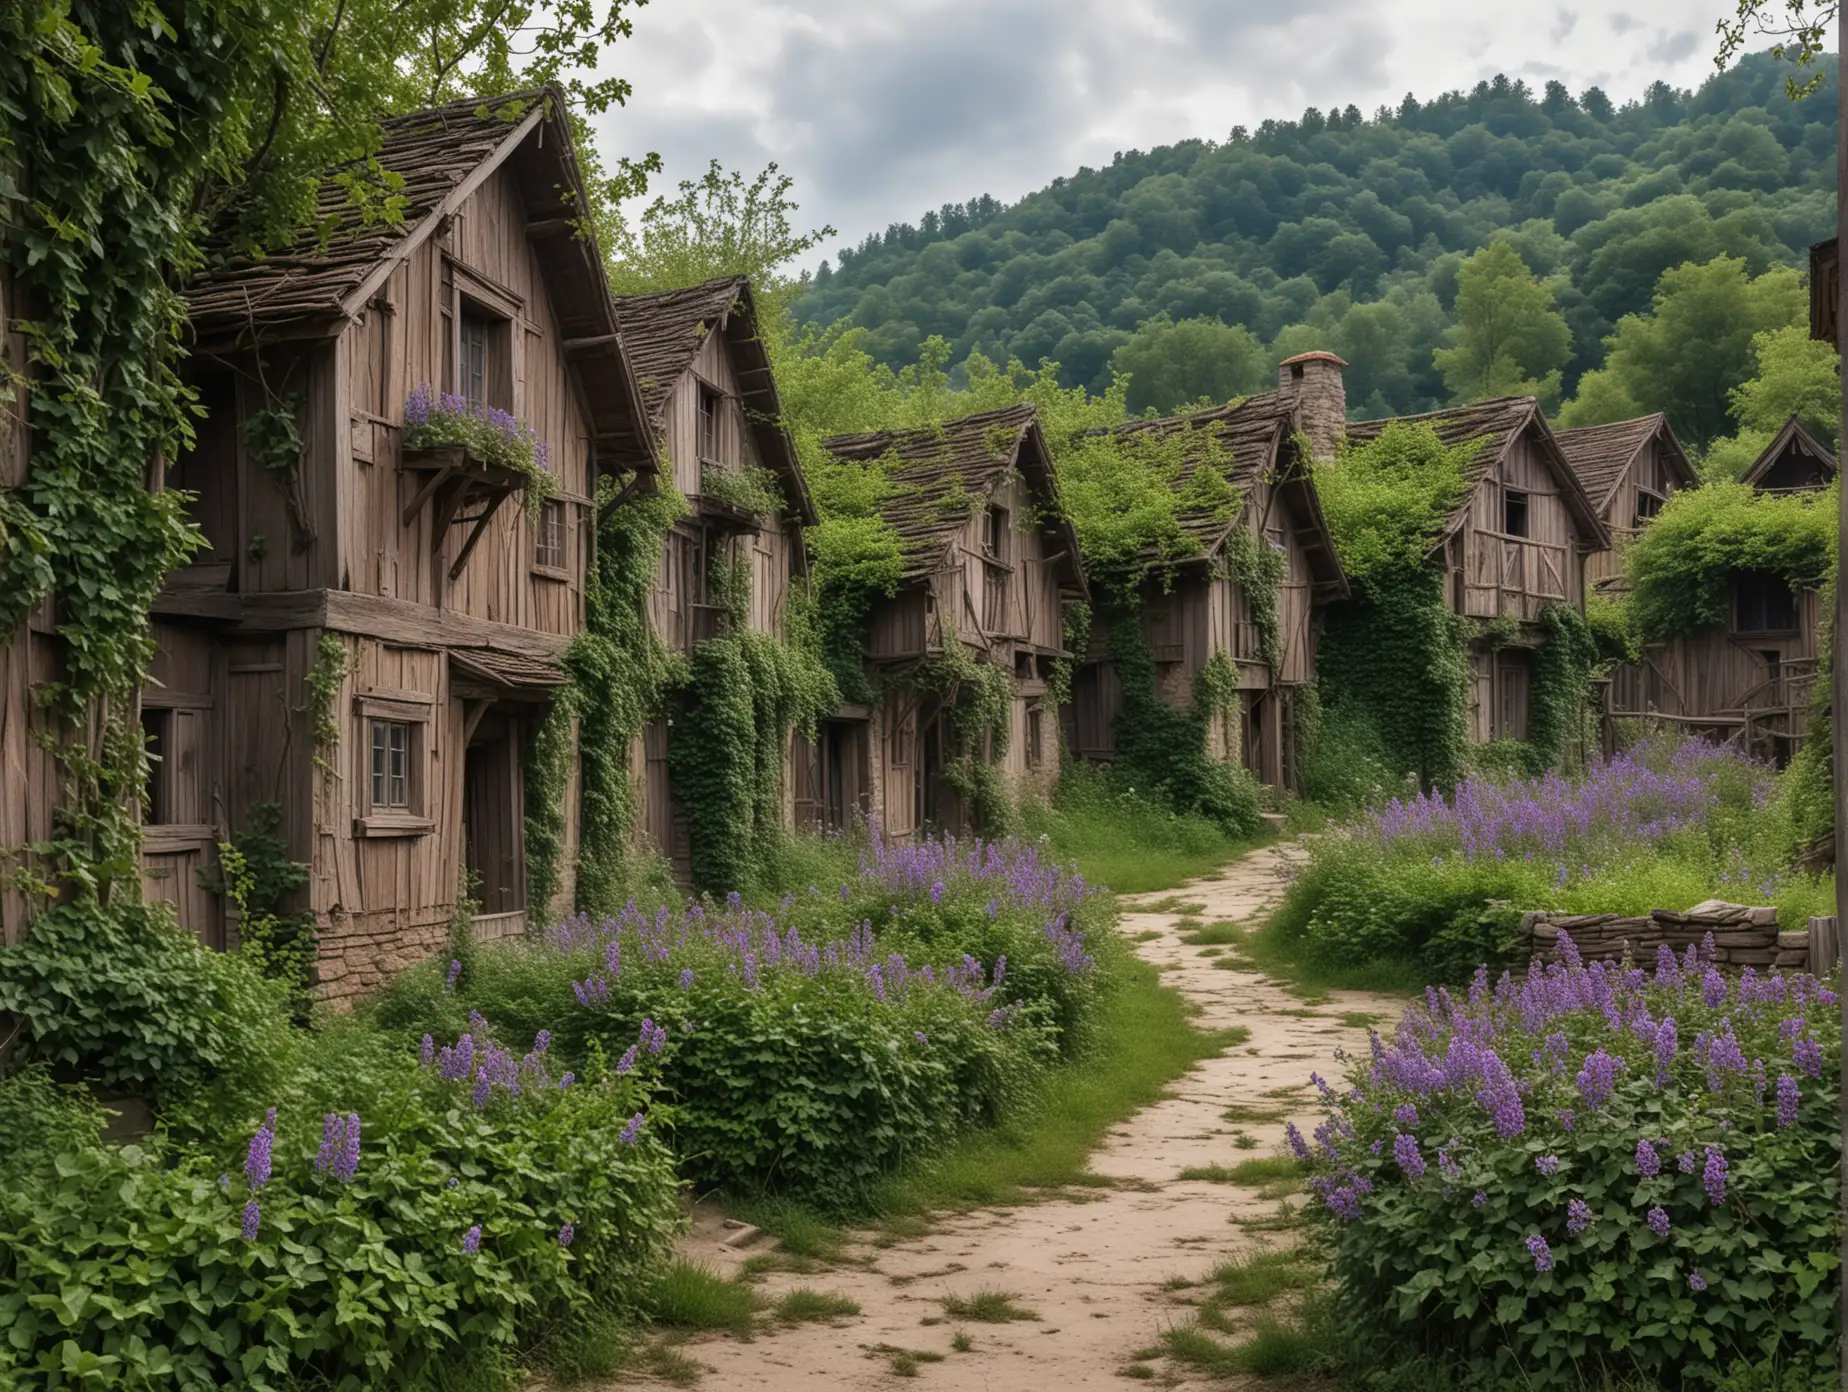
column 1195, row 265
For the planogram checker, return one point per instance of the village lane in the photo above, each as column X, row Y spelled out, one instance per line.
column 1091, row 1264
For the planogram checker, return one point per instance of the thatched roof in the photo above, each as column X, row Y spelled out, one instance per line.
column 1249, row 440
column 1807, row 462
column 1497, row 423
column 942, row 474
column 1602, row 454
column 663, row 332
column 335, row 268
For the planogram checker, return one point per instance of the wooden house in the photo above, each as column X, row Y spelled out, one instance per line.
column 990, row 563
column 1749, row 680
column 1519, row 539
column 1193, row 608
column 1629, row 469
column 367, row 639
column 1794, row 462
column 710, row 399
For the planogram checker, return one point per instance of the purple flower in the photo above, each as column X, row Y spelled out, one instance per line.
column 1686, row 1161
column 1446, row 1165
column 1548, row 1165
column 632, row 1132
column 1788, row 1097
column 455, row 970
column 566, row 1081
column 565, row 1234
column 1478, row 1199
column 471, row 1241
column 1542, row 1254
column 257, row 1158
column 1696, row 1281
column 253, row 1215
column 346, row 1163
column 1665, row 1044
column 542, row 1041
column 417, row 406
column 686, row 978
column 1578, row 1216
column 332, row 1126
column 426, row 1052
column 453, row 1181
column 1344, row 1202
column 1658, row 1221
column 484, row 1088
column 1713, row 1177
column 1598, row 1078
column 1405, row 1114
column 1648, row 1163
column 1298, row 1146
column 1712, row 989
column 920, row 1036
column 1808, row 1057
column 1405, row 1151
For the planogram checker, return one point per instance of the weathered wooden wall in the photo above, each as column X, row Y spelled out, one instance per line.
column 1650, row 471
column 1496, row 573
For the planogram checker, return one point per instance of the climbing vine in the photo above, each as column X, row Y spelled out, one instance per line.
column 977, row 699
column 1559, row 685
column 256, row 873
column 322, row 692
column 274, row 441
column 619, row 673
column 1258, row 569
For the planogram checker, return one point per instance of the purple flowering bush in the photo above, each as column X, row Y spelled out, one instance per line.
column 1593, row 1166
column 1441, row 879
column 487, row 432
column 330, row 1232
column 814, row 1049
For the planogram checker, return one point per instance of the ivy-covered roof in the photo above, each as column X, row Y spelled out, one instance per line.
column 340, row 262
column 1497, row 423
column 1806, row 462
column 662, row 333
column 940, row 474
column 1602, row 454
column 1249, row 440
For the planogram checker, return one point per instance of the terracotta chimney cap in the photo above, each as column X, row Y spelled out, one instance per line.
column 1317, row 356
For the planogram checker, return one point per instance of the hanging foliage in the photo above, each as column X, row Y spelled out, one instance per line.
column 1559, row 686
column 976, row 699
column 256, row 873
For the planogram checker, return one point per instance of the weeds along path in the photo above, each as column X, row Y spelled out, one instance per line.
column 1090, row 1265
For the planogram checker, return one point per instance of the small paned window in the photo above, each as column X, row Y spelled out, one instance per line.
column 391, row 765
column 1514, row 512
column 708, row 425
column 1647, row 505
column 472, row 370
column 549, row 543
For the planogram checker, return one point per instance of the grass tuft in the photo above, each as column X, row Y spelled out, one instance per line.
column 1260, row 1278
column 986, row 1306
column 1224, row 933
column 690, row 1295
column 961, row 1341
column 802, row 1304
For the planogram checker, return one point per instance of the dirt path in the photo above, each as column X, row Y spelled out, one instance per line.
column 1091, row 1267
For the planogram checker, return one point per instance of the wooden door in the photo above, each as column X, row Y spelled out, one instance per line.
column 1511, row 696
column 493, row 815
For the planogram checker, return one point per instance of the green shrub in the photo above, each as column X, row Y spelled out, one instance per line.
column 123, row 997
column 363, row 1282
column 815, row 1052
column 1590, row 1170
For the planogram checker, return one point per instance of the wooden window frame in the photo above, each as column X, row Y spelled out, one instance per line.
column 549, row 563
column 1521, row 498
column 1763, row 580
column 159, row 745
column 708, row 402
column 1641, row 518
column 417, row 713
column 1035, row 751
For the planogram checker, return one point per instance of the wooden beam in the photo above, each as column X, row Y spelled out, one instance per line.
column 481, row 525
column 575, row 347
column 544, row 229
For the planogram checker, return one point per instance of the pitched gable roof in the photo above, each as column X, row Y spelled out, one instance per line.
column 1601, row 455
column 940, row 474
column 1252, row 438
column 1497, row 423
column 1791, row 441
column 663, row 332
column 325, row 279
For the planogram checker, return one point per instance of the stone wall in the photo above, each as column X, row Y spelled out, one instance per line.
column 1742, row 936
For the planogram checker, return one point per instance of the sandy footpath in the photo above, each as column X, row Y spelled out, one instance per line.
column 1091, row 1266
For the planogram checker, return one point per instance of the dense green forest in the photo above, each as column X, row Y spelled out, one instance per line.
column 1196, row 265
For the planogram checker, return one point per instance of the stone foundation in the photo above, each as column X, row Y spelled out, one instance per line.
column 1742, row 936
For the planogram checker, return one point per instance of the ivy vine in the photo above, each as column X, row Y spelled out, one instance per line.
column 256, row 874
column 322, row 692
column 977, row 699
column 1258, row 568
column 1559, row 685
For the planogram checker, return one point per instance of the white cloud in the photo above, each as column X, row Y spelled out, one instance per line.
column 881, row 109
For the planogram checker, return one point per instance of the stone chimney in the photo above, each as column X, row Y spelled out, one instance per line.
column 1314, row 379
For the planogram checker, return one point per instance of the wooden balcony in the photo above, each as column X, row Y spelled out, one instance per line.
column 1514, row 576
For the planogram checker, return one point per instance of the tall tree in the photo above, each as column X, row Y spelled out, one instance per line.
column 1509, row 339
column 1694, row 346
column 1171, row 365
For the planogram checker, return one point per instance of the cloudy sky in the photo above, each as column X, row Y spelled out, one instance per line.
column 882, row 108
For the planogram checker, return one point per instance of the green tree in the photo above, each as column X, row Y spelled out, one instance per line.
column 716, row 225
column 1686, row 355
column 1797, row 376
column 1509, row 339
column 1171, row 365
